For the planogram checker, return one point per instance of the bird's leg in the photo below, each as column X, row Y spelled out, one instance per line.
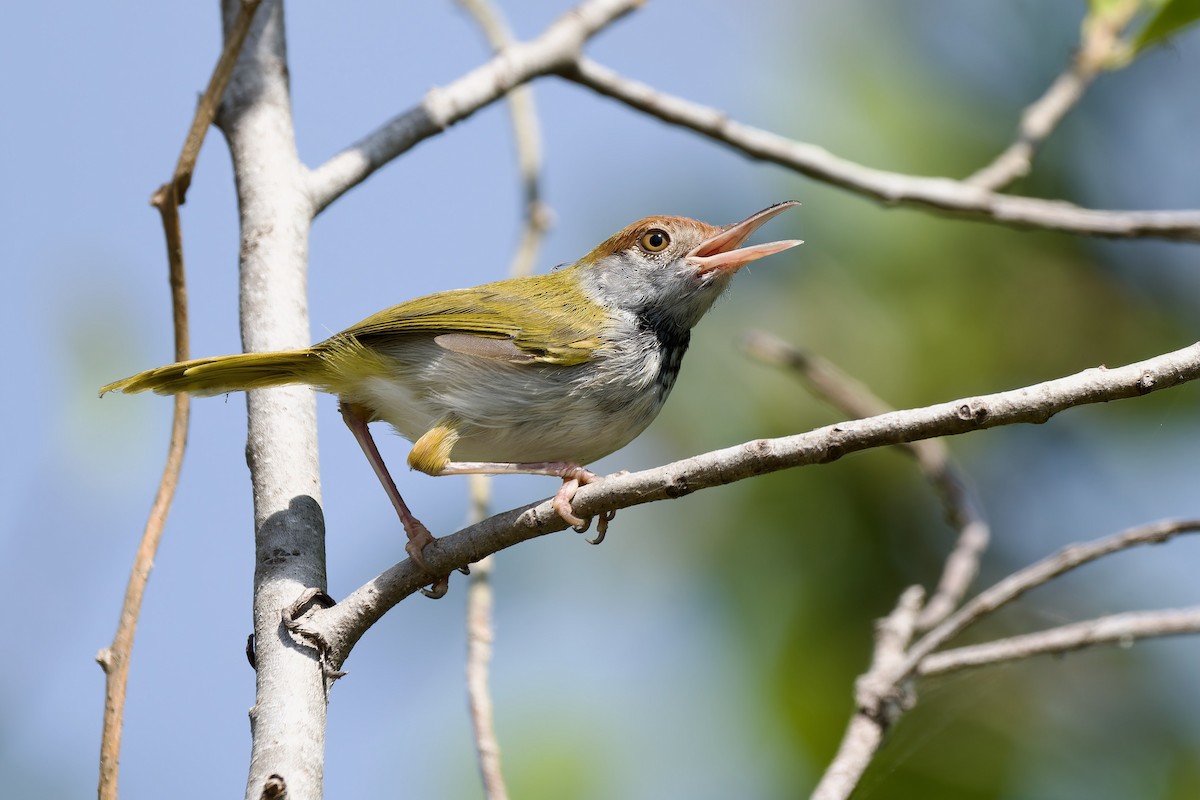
column 573, row 476
column 419, row 536
column 431, row 454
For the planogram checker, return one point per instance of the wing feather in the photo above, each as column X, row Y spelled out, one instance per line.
column 545, row 317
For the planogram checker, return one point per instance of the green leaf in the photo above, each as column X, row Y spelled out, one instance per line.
column 1171, row 16
column 1100, row 8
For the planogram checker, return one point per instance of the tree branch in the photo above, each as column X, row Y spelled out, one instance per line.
column 288, row 717
column 115, row 658
column 338, row 628
column 1101, row 40
column 1120, row 629
column 883, row 695
column 963, row 510
column 557, row 47
column 479, row 655
column 528, row 139
column 865, row 732
column 944, row 195
column 1036, row 575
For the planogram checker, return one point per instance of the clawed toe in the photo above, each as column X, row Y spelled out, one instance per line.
column 562, row 505
column 439, row 588
column 419, row 538
column 602, row 526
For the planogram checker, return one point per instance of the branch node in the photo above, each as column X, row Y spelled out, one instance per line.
column 274, row 788
column 293, row 618
column 973, row 411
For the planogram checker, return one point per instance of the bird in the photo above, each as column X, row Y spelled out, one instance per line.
column 541, row 374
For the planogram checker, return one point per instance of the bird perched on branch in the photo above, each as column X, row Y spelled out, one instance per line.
column 540, row 375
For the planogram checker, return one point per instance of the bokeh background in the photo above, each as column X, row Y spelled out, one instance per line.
column 709, row 647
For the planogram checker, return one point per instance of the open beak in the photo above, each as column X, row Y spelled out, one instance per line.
column 722, row 251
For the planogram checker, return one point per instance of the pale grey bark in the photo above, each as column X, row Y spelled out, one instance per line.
column 945, row 195
column 288, row 717
column 278, row 197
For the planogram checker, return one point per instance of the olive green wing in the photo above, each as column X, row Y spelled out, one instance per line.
column 539, row 319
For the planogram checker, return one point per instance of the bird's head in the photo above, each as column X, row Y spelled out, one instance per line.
column 672, row 269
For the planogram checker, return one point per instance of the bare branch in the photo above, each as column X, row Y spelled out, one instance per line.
column 1101, row 40
column 340, row 627
column 1036, row 575
column 206, row 109
column 883, row 695
column 963, row 511
column 115, row 658
column 479, row 654
column 557, row 47
column 937, row 194
column 865, row 732
column 1120, row 629
column 1038, row 121
column 288, row 717
column 528, row 139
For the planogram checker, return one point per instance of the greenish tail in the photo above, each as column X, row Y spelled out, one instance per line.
column 221, row 374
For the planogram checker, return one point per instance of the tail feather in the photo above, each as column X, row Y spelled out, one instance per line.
column 221, row 374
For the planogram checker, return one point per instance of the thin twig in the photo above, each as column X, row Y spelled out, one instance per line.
column 882, row 694
column 1121, row 629
column 479, row 654
column 1036, row 575
column 1101, row 39
column 527, row 137
column 865, row 732
column 891, row 188
column 480, row 632
column 206, row 109
column 340, row 627
column 962, row 508
column 553, row 50
column 115, row 658
column 557, row 51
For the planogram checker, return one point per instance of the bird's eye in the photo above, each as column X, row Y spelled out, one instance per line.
column 654, row 241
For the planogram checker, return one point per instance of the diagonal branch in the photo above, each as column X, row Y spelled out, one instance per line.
column 883, row 694
column 1036, row 575
column 114, row 659
column 527, row 137
column 338, row 628
column 558, row 46
column 1101, row 40
column 962, row 508
column 1121, row 629
column 891, row 188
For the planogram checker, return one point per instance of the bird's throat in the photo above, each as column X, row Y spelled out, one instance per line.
column 672, row 344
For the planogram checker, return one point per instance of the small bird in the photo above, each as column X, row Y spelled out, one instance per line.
column 539, row 375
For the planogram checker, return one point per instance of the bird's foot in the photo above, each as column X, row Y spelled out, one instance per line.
column 576, row 477
column 419, row 538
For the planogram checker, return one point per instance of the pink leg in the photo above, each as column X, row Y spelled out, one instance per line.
column 573, row 476
column 418, row 535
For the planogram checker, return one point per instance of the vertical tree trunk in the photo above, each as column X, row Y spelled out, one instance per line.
column 288, row 718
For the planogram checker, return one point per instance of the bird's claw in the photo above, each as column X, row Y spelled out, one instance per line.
column 439, row 588
column 562, row 505
column 419, row 538
column 602, row 526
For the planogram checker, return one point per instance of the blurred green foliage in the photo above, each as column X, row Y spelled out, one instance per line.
column 923, row 309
